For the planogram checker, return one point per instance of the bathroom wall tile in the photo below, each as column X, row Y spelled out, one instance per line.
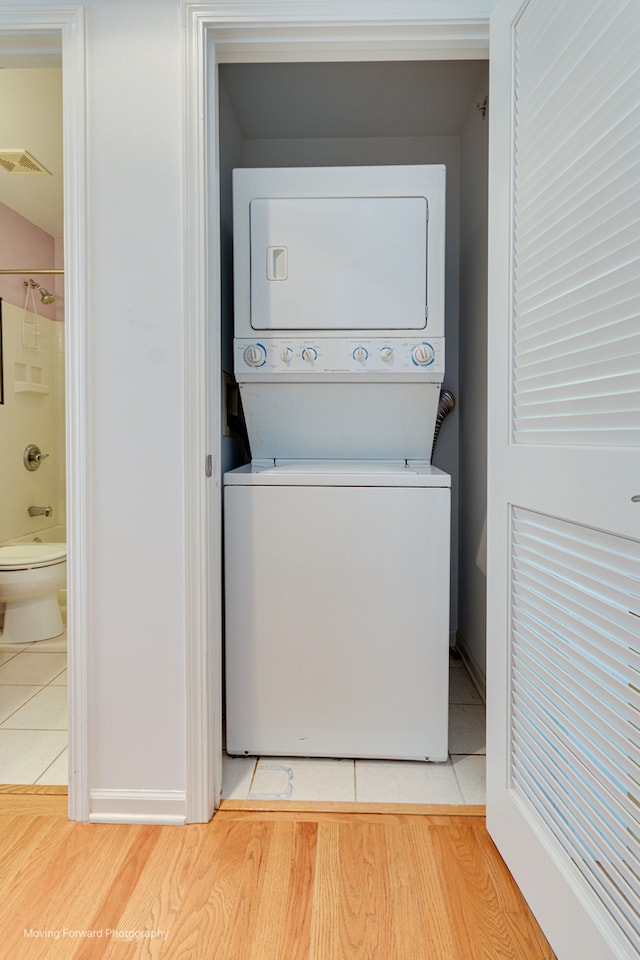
column 26, row 422
column 12, row 698
column 58, row 772
column 397, row 781
column 466, row 728
column 471, row 775
column 461, row 688
column 26, row 754
column 237, row 774
column 303, row 779
column 47, row 710
column 33, row 668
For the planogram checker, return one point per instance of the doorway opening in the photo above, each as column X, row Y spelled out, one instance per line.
column 33, row 648
column 53, row 39
column 368, row 113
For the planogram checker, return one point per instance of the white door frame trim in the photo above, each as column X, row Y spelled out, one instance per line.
column 251, row 31
column 69, row 21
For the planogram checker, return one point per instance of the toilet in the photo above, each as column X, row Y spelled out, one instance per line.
column 31, row 574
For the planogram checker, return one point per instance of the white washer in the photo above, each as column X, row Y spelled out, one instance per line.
column 337, row 583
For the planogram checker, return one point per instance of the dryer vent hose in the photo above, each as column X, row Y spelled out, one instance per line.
column 446, row 404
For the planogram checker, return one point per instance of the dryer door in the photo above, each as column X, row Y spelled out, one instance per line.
column 339, row 263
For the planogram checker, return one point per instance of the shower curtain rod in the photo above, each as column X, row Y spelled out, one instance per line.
column 16, row 272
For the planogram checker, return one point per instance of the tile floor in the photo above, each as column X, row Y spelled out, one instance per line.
column 461, row 780
column 33, row 745
column 33, row 712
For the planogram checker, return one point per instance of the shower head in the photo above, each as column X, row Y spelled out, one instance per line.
column 45, row 296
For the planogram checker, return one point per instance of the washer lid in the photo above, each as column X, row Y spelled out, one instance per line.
column 26, row 556
column 355, row 473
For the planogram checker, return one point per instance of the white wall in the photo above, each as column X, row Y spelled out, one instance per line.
column 135, row 603
column 473, row 387
column 136, row 419
column 231, row 156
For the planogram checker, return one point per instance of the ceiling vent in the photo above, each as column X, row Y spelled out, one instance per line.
column 20, row 161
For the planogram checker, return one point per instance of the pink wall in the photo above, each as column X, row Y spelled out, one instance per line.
column 22, row 244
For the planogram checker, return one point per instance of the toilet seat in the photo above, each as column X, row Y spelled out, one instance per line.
column 30, row 556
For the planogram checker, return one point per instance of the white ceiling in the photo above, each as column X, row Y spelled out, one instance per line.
column 318, row 100
column 31, row 111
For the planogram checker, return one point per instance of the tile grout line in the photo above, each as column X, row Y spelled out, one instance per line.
column 253, row 777
column 55, row 760
column 28, row 700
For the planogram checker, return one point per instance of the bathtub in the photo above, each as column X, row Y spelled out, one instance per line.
column 54, row 534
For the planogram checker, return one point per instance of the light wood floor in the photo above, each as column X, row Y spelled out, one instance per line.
column 281, row 884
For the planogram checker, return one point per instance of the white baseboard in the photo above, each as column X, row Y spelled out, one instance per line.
column 138, row 806
column 476, row 672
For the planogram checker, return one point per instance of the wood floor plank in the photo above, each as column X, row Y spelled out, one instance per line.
column 527, row 937
column 19, row 837
column 296, row 928
column 59, row 886
column 282, row 914
column 422, row 915
column 29, row 805
column 199, row 917
column 241, row 910
column 350, row 916
column 480, row 891
column 523, row 926
column 113, row 902
column 157, row 897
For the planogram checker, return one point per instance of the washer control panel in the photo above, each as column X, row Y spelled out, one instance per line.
column 267, row 356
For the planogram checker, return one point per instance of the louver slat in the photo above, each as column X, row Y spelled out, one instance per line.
column 575, row 712
column 576, row 231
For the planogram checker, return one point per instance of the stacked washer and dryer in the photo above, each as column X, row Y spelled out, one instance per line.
column 337, row 532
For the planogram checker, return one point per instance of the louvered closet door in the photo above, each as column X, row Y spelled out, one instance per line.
column 563, row 670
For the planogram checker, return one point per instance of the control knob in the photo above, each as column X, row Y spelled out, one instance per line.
column 386, row 354
column 255, row 355
column 286, row 354
column 309, row 354
column 360, row 354
column 423, row 354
